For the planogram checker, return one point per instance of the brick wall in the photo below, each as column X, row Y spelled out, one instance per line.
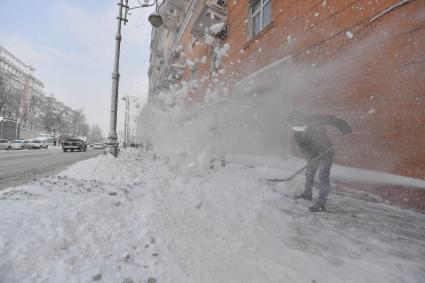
column 374, row 78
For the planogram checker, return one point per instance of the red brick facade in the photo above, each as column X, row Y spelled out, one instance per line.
column 383, row 94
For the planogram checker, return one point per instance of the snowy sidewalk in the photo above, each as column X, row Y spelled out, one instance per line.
column 132, row 219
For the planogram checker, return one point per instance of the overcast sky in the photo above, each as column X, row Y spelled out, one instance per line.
column 71, row 44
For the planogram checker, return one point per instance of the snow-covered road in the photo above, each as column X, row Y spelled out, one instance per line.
column 134, row 219
column 18, row 167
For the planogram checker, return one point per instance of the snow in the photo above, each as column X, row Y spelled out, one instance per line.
column 349, row 34
column 139, row 216
column 209, row 40
column 223, row 51
column 299, row 129
column 341, row 173
column 216, row 28
column 190, row 63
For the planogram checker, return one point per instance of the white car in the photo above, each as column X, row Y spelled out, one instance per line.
column 36, row 144
column 27, row 144
column 5, row 144
column 98, row 145
column 41, row 143
column 31, row 144
column 17, row 144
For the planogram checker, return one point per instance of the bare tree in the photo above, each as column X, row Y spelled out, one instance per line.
column 8, row 94
column 95, row 134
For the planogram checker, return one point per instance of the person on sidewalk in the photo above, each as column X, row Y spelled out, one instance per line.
column 311, row 138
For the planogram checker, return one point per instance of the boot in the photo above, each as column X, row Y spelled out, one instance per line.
column 305, row 196
column 318, row 206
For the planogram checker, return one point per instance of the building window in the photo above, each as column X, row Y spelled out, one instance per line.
column 261, row 15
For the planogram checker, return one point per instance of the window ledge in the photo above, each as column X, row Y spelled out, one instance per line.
column 258, row 35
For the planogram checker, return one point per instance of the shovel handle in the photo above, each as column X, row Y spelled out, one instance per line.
column 303, row 168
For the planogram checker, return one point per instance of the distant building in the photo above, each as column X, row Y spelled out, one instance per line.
column 20, row 76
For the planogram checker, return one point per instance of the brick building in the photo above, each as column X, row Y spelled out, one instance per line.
column 361, row 59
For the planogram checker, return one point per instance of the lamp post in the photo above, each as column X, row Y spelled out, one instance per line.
column 17, row 129
column 156, row 21
column 2, row 122
column 128, row 99
column 2, row 126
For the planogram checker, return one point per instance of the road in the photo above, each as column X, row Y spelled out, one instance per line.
column 18, row 167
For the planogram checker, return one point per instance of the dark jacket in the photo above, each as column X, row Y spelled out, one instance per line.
column 312, row 138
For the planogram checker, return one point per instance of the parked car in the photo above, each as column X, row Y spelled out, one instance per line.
column 36, row 144
column 28, row 144
column 98, row 145
column 17, row 144
column 5, row 144
column 41, row 143
column 74, row 143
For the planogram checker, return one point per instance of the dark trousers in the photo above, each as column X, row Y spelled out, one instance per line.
column 324, row 165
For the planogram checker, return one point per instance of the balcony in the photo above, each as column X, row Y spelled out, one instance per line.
column 167, row 83
column 177, row 68
column 172, row 13
column 212, row 12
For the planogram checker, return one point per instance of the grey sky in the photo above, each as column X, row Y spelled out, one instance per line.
column 71, row 44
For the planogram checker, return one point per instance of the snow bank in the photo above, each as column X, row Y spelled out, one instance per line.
column 136, row 218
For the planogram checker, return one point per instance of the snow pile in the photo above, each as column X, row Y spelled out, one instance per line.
column 209, row 40
column 216, row 28
column 190, row 63
column 133, row 219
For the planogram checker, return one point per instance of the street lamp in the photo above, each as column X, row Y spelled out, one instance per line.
column 128, row 99
column 2, row 126
column 156, row 21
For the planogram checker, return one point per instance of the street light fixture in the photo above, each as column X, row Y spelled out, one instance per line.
column 156, row 21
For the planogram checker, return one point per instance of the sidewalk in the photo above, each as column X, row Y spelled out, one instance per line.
column 111, row 220
column 401, row 191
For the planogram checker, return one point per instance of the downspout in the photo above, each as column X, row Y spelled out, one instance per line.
column 389, row 9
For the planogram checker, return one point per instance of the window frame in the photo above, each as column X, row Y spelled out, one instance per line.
column 259, row 12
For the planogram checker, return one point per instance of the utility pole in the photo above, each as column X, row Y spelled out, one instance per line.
column 17, row 128
column 2, row 126
column 127, row 137
column 156, row 21
column 112, row 136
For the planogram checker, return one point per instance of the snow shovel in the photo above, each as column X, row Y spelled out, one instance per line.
column 302, row 169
